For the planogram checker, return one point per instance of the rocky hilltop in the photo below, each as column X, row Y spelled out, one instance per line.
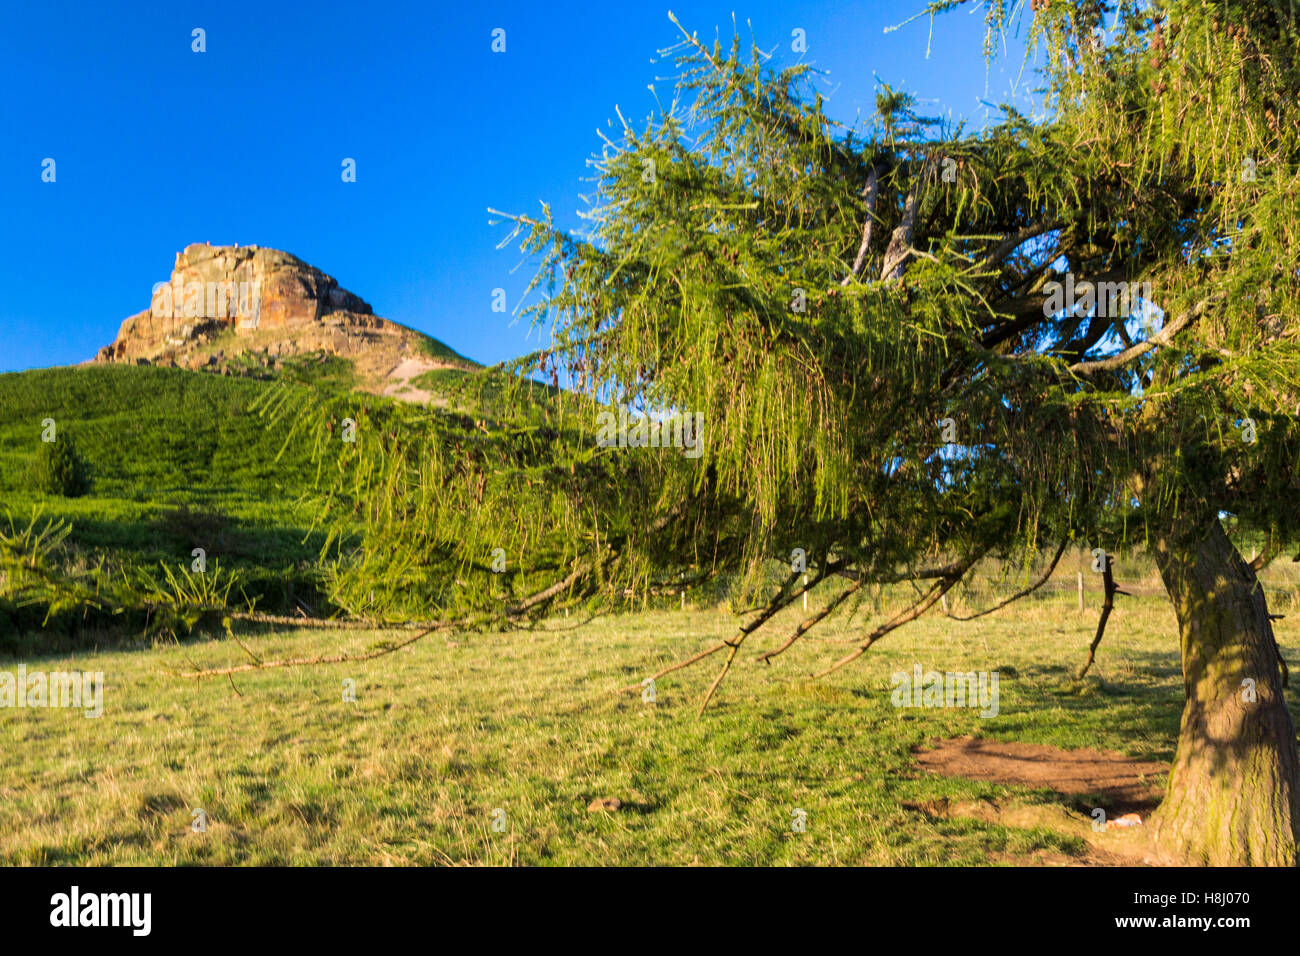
column 226, row 304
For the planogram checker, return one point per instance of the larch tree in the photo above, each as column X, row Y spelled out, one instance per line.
column 914, row 346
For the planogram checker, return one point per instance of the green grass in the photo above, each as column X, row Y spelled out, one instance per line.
column 179, row 460
column 441, row 352
column 444, row 732
column 151, row 433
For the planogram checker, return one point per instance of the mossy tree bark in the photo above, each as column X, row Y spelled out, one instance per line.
column 1233, row 797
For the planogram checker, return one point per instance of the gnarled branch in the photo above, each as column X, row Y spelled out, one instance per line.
column 936, row 591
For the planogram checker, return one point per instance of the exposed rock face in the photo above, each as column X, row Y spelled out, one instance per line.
column 245, row 288
column 227, row 301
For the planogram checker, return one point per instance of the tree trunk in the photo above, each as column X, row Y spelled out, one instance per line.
column 1234, row 790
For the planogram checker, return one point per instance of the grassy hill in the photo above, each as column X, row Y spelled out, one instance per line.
column 185, row 459
column 179, row 460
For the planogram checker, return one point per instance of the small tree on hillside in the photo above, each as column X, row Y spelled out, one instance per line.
column 60, row 470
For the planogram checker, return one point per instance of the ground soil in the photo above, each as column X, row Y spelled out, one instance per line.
column 1083, row 778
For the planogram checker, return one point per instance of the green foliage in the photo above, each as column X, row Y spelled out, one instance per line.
column 60, row 470
column 738, row 280
column 180, row 599
column 45, row 581
column 186, row 459
column 829, row 297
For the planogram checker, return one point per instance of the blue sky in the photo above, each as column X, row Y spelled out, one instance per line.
column 157, row 146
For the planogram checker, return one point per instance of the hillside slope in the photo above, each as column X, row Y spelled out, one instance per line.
column 186, row 459
column 180, row 460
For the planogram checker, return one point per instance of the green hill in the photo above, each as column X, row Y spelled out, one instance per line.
column 184, row 459
column 180, row 460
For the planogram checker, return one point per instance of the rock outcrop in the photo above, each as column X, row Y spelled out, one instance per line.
column 226, row 301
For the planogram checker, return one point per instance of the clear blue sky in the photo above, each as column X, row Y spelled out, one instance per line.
column 158, row 147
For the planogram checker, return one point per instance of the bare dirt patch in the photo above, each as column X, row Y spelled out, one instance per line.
column 397, row 383
column 1127, row 785
column 1091, row 778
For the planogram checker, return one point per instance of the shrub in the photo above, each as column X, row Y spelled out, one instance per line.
column 60, row 469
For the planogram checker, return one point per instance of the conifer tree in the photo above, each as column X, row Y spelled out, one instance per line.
column 915, row 345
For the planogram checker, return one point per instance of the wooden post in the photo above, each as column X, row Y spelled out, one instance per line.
column 805, row 593
column 1080, row 590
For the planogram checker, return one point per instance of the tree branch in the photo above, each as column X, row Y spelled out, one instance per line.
column 1161, row 338
column 324, row 659
column 900, row 243
column 1107, row 605
column 1019, row 594
column 811, row 622
column 514, row 612
column 870, row 193
column 1014, row 242
column 936, row 591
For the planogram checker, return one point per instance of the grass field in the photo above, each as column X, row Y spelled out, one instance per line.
column 446, row 732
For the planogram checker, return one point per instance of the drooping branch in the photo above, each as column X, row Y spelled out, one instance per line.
column 927, row 600
column 547, row 594
column 513, row 613
column 1022, row 593
column 809, row 623
column 1109, row 590
column 323, row 659
column 324, row 623
column 778, row 603
column 925, row 574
